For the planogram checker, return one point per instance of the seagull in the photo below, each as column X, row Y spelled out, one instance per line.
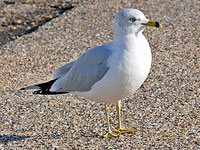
column 110, row 72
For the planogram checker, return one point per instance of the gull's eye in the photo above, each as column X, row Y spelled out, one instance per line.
column 132, row 19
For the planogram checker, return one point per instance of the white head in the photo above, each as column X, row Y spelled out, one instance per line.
column 131, row 21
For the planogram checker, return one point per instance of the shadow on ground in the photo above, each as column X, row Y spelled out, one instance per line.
column 21, row 18
column 4, row 139
column 11, row 138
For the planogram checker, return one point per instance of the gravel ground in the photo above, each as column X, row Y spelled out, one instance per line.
column 20, row 17
column 165, row 110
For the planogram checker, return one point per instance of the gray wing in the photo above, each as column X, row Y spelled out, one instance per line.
column 62, row 70
column 82, row 74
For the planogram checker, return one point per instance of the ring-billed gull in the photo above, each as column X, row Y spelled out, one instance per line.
column 109, row 72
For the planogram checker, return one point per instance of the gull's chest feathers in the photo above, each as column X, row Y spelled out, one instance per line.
column 131, row 65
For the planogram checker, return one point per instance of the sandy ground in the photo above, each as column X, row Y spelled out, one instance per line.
column 165, row 110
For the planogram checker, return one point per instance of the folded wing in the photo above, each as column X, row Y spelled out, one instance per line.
column 82, row 74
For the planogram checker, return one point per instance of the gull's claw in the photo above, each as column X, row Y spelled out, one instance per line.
column 112, row 134
column 121, row 131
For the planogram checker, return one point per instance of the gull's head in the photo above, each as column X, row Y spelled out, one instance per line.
column 132, row 21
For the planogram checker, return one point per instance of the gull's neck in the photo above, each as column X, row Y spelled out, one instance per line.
column 127, row 40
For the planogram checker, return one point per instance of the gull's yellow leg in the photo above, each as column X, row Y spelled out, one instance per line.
column 119, row 129
column 110, row 133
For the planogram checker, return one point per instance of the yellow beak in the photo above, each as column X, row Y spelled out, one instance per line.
column 153, row 24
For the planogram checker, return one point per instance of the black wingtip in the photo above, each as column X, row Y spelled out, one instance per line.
column 44, row 88
column 41, row 92
column 37, row 92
